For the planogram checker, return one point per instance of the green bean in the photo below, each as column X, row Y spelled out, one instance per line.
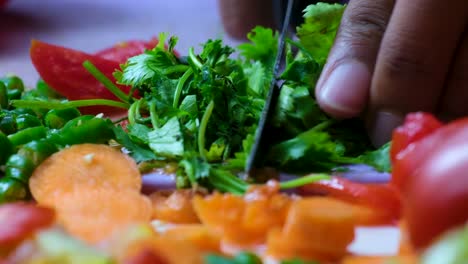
column 45, row 91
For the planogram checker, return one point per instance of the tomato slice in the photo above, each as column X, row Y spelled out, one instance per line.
column 382, row 197
column 120, row 52
column 435, row 190
column 61, row 68
column 19, row 221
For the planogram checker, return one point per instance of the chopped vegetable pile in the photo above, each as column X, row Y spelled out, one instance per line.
column 81, row 143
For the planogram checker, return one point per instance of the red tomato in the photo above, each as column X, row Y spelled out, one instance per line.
column 19, row 221
column 416, row 126
column 382, row 197
column 435, row 192
column 124, row 50
column 62, row 69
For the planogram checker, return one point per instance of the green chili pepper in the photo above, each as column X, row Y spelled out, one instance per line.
column 45, row 91
column 12, row 190
column 3, row 96
column 7, row 122
column 24, row 121
column 26, row 135
column 6, row 148
column 23, row 111
column 96, row 130
column 19, row 167
column 14, row 85
column 57, row 118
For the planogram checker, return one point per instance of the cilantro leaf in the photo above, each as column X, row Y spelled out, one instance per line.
column 319, row 29
column 263, row 46
column 379, row 158
column 167, row 140
column 136, row 151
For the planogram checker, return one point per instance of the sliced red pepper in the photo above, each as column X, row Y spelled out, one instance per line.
column 62, row 69
column 120, row 52
column 381, row 197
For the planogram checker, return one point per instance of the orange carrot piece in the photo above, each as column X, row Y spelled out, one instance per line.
column 81, row 167
column 198, row 235
column 95, row 214
column 174, row 208
column 243, row 220
column 171, row 249
column 318, row 228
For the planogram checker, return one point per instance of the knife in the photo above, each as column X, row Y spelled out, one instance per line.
column 256, row 156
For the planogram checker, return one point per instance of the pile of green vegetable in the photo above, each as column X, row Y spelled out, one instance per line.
column 200, row 111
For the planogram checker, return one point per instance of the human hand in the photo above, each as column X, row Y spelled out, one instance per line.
column 393, row 57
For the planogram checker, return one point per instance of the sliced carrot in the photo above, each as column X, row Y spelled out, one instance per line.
column 95, row 214
column 175, row 207
column 243, row 220
column 81, row 167
column 171, row 249
column 318, row 228
column 198, row 235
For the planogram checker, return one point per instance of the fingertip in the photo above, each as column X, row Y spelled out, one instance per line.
column 343, row 92
column 381, row 125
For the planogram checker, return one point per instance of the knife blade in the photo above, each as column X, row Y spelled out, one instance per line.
column 256, row 156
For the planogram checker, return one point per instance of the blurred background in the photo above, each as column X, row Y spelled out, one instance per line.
column 91, row 25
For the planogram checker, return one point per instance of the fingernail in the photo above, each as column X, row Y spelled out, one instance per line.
column 345, row 91
column 382, row 126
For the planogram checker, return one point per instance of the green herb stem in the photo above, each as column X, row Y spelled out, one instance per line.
column 105, row 81
column 304, row 180
column 68, row 104
column 202, row 129
column 175, row 69
column 180, row 86
column 194, row 59
column 153, row 115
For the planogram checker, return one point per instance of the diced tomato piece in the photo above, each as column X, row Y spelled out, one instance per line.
column 124, row 50
column 381, row 197
column 61, row 68
column 18, row 221
column 416, row 126
column 435, row 190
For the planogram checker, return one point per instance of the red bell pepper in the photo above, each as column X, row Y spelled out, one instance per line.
column 382, row 197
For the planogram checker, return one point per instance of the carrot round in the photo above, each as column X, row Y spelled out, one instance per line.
column 96, row 214
column 82, row 167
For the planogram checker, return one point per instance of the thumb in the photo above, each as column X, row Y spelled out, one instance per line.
column 344, row 85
